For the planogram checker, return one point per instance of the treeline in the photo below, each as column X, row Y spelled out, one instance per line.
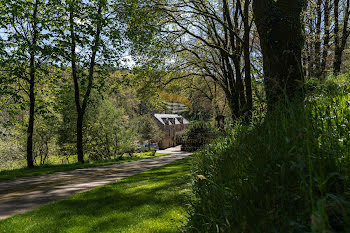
column 229, row 57
column 46, row 43
column 116, row 121
column 63, row 91
column 237, row 44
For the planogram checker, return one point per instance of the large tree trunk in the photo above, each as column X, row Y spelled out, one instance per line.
column 340, row 42
column 30, row 129
column 280, row 29
column 345, row 34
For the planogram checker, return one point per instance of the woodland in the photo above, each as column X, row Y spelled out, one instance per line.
column 264, row 83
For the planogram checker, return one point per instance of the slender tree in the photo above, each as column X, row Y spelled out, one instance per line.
column 93, row 41
column 82, row 105
column 326, row 21
column 317, row 67
column 27, row 49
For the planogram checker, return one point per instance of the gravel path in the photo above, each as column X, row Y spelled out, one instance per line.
column 25, row 194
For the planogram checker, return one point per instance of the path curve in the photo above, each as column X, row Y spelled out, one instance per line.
column 25, row 194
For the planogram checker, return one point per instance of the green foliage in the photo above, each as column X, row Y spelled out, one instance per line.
column 11, row 149
column 199, row 134
column 147, row 128
column 109, row 131
column 287, row 173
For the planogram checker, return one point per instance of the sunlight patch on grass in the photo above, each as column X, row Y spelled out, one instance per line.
column 152, row 201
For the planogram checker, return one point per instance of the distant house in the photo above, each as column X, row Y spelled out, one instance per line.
column 170, row 124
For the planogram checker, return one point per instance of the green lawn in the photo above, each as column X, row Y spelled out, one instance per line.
column 48, row 169
column 152, row 201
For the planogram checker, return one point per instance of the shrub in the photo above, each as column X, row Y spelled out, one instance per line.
column 289, row 173
column 198, row 135
column 109, row 133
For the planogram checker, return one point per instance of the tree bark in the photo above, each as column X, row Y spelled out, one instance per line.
column 32, row 72
column 317, row 67
column 80, row 149
column 326, row 37
column 340, row 43
column 345, row 33
column 337, row 62
column 280, row 29
column 80, row 117
column 30, row 129
column 247, row 65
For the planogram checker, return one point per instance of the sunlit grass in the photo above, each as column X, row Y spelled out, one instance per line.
column 152, row 201
column 52, row 168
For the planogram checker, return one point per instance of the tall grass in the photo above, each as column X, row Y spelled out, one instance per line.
column 286, row 173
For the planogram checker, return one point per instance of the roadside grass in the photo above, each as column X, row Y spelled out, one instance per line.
column 52, row 168
column 152, row 201
column 285, row 172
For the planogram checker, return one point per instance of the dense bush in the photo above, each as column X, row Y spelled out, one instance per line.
column 110, row 133
column 199, row 134
column 288, row 173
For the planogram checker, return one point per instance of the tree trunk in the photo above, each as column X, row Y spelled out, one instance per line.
column 280, row 29
column 80, row 114
column 345, row 34
column 247, row 65
column 80, row 149
column 30, row 129
column 337, row 53
column 233, row 103
column 326, row 37
column 341, row 43
column 317, row 67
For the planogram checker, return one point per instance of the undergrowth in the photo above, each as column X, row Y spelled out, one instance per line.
column 288, row 172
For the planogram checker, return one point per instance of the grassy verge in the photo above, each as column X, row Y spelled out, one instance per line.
column 286, row 172
column 49, row 169
column 152, row 201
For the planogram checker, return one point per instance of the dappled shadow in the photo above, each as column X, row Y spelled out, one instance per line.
column 149, row 198
column 25, row 194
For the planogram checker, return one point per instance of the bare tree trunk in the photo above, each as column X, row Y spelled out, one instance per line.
column 340, row 45
column 345, row 34
column 317, row 67
column 79, row 122
column 80, row 149
column 30, row 129
column 326, row 37
column 247, row 65
column 281, row 41
column 308, row 59
column 336, row 62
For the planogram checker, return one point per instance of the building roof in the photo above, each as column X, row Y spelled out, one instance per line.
column 171, row 119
